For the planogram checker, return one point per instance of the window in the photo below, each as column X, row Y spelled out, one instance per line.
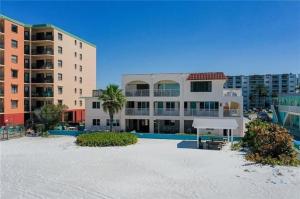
column 60, row 102
column 75, row 41
column 80, row 91
column 59, row 63
column 14, row 59
column 14, row 104
column 80, row 56
column 14, row 88
column 96, row 122
column 80, row 68
column 80, row 80
column 96, row 105
column 60, row 90
column 75, row 78
column 115, row 122
column 60, row 36
column 14, row 28
column 59, row 76
column 14, row 73
column 75, row 66
column 60, row 50
column 80, row 102
column 203, row 86
column 75, row 102
column 75, row 90
column 14, row 43
column 80, row 44
column 75, row 54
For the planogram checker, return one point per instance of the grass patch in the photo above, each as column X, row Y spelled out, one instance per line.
column 103, row 139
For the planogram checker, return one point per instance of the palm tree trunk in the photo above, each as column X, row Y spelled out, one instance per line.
column 111, row 116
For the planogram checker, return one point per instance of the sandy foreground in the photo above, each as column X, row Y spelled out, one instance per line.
column 57, row 168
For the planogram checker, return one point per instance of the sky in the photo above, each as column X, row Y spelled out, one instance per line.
column 160, row 37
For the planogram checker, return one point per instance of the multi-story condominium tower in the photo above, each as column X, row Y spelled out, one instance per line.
column 42, row 64
column 168, row 103
column 259, row 90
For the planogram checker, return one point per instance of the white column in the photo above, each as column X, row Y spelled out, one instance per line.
column 198, row 138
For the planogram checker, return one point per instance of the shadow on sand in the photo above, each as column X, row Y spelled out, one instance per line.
column 187, row 145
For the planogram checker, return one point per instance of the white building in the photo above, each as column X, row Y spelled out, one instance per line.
column 168, row 103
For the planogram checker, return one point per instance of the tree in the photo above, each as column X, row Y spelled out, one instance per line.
column 113, row 101
column 260, row 94
column 50, row 114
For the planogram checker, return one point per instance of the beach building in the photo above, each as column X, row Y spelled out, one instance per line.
column 287, row 113
column 274, row 85
column 169, row 102
column 43, row 64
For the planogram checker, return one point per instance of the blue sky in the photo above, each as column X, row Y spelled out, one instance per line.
column 154, row 37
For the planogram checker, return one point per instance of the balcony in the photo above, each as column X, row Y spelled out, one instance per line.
column 137, row 93
column 42, row 80
column 1, row 45
column 2, row 61
column 42, row 37
column 47, row 65
column 166, row 92
column 166, row 112
column 42, row 94
column 232, row 113
column 201, row 112
column 47, row 51
column 2, row 92
column 137, row 111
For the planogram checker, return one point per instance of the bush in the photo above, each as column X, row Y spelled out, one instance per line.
column 269, row 144
column 106, row 139
column 236, row 146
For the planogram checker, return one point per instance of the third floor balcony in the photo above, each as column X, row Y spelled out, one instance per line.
column 137, row 111
column 42, row 51
column 166, row 111
column 201, row 112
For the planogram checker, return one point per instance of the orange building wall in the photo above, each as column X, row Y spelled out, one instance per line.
column 13, row 116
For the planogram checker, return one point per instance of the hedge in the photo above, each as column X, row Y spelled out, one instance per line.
column 103, row 139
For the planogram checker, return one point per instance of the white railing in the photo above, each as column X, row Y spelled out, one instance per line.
column 166, row 92
column 137, row 111
column 201, row 112
column 137, row 93
column 232, row 113
column 290, row 109
column 166, row 112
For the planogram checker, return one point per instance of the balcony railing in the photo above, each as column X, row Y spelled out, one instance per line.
column 166, row 92
column 137, row 93
column 1, row 61
column 41, row 38
column 290, row 109
column 47, row 51
column 2, row 77
column 201, row 112
column 42, row 94
column 166, row 112
column 1, row 45
column 137, row 111
column 47, row 65
column 42, row 80
column 232, row 113
column 1, row 92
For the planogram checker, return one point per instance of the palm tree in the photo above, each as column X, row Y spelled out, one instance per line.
column 113, row 101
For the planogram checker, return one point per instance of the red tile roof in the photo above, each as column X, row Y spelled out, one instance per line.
column 207, row 76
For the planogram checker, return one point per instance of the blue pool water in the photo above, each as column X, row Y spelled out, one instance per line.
column 156, row 136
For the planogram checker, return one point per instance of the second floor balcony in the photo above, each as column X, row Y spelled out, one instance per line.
column 42, row 94
column 232, row 113
column 137, row 89
column 166, row 111
column 136, row 111
column 166, row 92
column 201, row 112
column 137, row 93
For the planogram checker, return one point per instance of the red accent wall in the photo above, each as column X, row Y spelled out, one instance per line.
column 12, row 119
column 78, row 115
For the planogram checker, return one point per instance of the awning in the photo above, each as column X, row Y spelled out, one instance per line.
column 216, row 123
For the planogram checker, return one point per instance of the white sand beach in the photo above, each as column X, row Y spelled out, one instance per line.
column 57, row 168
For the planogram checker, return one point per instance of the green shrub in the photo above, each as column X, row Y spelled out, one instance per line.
column 269, row 144
column 106, row 139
